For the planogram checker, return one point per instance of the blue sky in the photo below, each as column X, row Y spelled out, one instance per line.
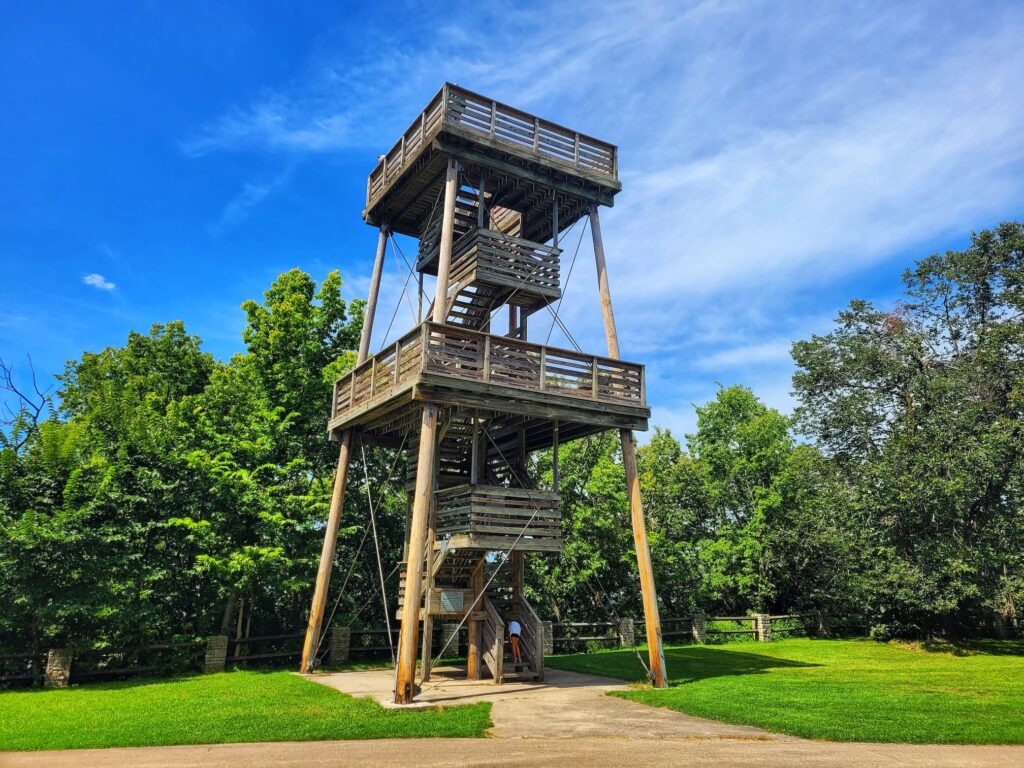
column 166, row 160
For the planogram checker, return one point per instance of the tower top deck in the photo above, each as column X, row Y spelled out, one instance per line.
column 524, row 163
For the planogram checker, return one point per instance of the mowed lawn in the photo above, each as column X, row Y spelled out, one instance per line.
column 840, row 690
column 211, row 709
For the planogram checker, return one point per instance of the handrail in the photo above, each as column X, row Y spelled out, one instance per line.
column 498, row 122
column 537, row 627
column 581, row 356
column 495, row 627
column 465, row 353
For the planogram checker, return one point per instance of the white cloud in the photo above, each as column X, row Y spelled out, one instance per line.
column 768, row 152
column 97, row 280
column 238, row 208
column 767, row 352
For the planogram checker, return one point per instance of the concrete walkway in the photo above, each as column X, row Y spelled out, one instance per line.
column 568, row 721
column 566, row 705
column 529, row 753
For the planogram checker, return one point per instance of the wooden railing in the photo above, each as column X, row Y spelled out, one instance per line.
column 476, row 356
column 377, row 378
column 500, row 123
column 531, row 640
column 492, row 649
column 500, row 259
column 516, row 514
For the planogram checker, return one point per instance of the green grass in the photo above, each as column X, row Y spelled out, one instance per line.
column 213, row 709
column 840, row 690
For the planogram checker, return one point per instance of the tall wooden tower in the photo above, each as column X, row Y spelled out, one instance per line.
column 486, row 189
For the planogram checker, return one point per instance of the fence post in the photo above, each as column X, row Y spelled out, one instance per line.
column 549, row 637
column 763, row 625
column 699, row 628
column 58, row 668
column 625, row 629
column 216, row 654
column 340, row 645
column 450, row 638
column 824, row 625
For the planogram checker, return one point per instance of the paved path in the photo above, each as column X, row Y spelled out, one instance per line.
column 565, row 706
column 568, row 721
column 529, row 753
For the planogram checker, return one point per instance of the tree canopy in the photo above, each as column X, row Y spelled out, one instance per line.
column 162, row 493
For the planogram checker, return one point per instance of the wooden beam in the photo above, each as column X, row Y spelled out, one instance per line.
column 371, row 301
column 476, row 583
column 447, row 226
column 428, row 622
column 601, row 197
column 323, row 574
column 554, row 457
column 643, row 552
column 405, row 677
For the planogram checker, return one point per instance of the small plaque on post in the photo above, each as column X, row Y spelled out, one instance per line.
column 452, row 601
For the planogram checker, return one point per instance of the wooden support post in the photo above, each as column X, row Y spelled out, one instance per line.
column 554, row 220
column 480, row 207
column 428, row 620
column 371, row 301
column 419, row 301
column 554, row 457
column 475, row 628
column 643, row 552
column 405, row 677
column 323, row 574
column 444, row 261
column 474, row 454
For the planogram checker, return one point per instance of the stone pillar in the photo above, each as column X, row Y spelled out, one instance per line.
column 699, row 628
column 339, row 647
column 58, row 668
column 549, row 637
column 216, row 654
column 824, row 628
column 625, row 629
column 450, row 638
column 763, row 625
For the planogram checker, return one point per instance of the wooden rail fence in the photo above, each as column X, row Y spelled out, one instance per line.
column 343, row 644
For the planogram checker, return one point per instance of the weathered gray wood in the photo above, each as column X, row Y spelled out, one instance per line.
column 371, row 300
column 643, row 553
column 323, row 574
column 406, row 671
column 445, row 255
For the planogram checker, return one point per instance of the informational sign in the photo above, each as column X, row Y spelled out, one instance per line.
column 452, row 601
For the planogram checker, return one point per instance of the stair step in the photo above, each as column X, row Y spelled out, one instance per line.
column 512, row 677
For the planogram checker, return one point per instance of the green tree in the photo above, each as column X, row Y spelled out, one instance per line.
column 921, row 408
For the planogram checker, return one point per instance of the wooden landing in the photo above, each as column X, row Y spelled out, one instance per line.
column 519, row 158
column 462, row 368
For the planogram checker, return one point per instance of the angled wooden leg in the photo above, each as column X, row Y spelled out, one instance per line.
column 405, row 677
column 323, row 574
column 643, row 552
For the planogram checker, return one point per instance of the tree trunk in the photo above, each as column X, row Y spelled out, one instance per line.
column 229, row 609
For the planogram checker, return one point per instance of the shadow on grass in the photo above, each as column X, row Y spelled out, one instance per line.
column 975, row 647
column 685, row 665
column 689, row 665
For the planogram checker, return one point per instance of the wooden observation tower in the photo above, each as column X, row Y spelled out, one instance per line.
column 486, row 189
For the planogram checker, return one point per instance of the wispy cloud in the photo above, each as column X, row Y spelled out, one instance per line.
column 97, row 280
column 239, row 207
column 768, row 150
column 768, row 352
